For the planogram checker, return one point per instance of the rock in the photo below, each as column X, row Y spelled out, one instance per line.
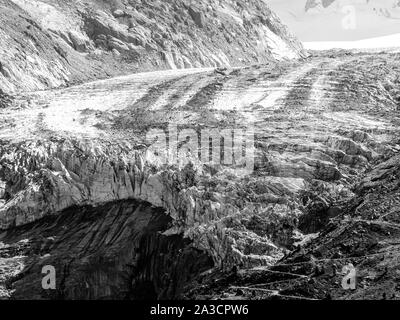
column 197, row 17
column 169, row 60
column 115, row 52
column 118, row 13
column 114, row 43
column 136, row 49
column 78, row 41
column 2, row 189
column 101, row 41
column 4, row 71
column 5, row 99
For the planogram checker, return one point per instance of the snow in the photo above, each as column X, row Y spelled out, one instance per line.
column 391, row 41
column 373, row 18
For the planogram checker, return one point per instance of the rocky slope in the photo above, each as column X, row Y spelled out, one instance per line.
column 55, row 43
column 358, row 230
column 364, row 235
column 116, row 251
column 319, row 127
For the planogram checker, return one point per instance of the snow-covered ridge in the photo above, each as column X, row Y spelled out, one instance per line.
column 386, row 42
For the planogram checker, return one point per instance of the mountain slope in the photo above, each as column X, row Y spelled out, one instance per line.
column 52, row 43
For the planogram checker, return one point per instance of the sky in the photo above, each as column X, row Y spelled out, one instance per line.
column 340, row 20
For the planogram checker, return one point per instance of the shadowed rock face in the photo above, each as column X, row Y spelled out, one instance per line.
column 47, row 44
column 115, row 251
column 319, row 126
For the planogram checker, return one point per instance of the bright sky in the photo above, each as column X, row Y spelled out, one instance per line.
column 342, row 20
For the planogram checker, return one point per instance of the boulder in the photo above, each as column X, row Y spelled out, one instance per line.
column 118, row 13
column 136, row 49
column 101, row 41
column 79, row 42
column 5, row 100
column 116, row 52
column 197, row 17
column 117, row 44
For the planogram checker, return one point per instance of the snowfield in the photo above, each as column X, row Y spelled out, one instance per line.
column 386, row 42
